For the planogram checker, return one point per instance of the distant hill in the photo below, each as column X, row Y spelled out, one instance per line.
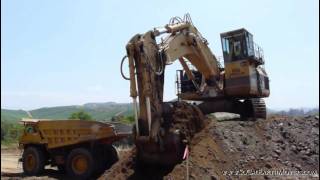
column 12, row 115
column 98, row 111
column 105, row 111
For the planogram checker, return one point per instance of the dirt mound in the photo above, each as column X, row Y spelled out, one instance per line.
column 128, row 168
column 123, row 168
column 233, row 149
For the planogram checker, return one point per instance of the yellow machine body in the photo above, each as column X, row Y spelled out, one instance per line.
column 243, row 79
column 59, row 133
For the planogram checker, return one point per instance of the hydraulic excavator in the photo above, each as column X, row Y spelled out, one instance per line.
column 163, row 129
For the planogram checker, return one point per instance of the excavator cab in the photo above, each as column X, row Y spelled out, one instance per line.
column 245, row 76
column 239, row 45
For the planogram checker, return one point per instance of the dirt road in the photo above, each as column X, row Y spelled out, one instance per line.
column 9, row 161
column 12, row 169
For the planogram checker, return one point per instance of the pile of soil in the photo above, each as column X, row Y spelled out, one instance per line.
column 225, row 149
column 233, row 149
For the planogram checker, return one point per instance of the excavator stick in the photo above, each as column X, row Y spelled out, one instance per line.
column 161, row 129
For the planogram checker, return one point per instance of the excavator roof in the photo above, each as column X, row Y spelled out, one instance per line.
column 234, row 32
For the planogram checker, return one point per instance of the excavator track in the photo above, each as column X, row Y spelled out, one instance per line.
column 256, row 108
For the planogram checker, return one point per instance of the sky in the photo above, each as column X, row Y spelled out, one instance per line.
column 57, row 52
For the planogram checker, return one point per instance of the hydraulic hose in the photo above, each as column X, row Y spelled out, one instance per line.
column 121, row 69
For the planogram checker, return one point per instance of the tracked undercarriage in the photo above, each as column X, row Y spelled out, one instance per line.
column 255, row 108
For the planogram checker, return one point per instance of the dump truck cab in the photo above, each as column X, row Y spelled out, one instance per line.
column 31, row 133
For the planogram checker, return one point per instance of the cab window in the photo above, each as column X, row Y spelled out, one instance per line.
column 225, row 45
column 30, row 129
column 237, row 48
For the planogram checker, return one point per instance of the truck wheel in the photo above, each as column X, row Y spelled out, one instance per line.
column 80, row 163
column 99, row 159
column 33, row 161
column 112, row 156
column 61, row 168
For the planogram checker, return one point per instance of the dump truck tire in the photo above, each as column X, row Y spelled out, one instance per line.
column 80, row 164
column 61, row 168
column 105, row 156
column 112, row 155
column 99, row 159
column 33, row 161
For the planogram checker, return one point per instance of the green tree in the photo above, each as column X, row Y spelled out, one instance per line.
column 80, row 115
column 127, row 120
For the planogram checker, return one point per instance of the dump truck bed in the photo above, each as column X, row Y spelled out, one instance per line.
column 59, row 133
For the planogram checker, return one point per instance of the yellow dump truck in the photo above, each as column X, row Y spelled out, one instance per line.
column 81, row 148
